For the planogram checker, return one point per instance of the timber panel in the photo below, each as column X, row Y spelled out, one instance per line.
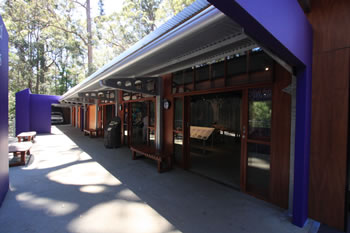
column 168, row 116
column 280, row 146
column 92, row 117
column 330, row 22
column 328, row 152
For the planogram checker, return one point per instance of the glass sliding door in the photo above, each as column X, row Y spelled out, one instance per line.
column 258, row 148
column 178, row 131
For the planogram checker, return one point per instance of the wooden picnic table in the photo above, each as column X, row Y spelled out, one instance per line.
column 26, row 136
column 20, row 148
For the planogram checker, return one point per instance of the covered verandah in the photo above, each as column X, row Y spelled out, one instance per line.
column 74, row 184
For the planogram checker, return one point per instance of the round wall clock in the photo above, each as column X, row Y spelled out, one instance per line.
column 166, row 104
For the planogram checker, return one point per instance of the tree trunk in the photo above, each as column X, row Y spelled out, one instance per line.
column 37, row 78
column 88, row 20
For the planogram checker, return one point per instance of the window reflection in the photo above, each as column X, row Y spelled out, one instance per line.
column 258, row 170
column 260, row 109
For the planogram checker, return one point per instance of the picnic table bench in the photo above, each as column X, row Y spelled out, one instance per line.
column 26, row 136
column 20, row 148
column 152, row 153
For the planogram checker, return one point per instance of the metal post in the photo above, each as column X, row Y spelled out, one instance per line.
column 70, row 116
column 84, row 113
column 159, row 116
column 76, row 116
column 96, row 114
column 116, row 102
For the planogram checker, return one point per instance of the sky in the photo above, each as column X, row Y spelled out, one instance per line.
column 110, row 6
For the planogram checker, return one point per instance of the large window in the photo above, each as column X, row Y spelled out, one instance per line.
column 253, row 66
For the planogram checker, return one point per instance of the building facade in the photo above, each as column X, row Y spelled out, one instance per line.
column 252, row 94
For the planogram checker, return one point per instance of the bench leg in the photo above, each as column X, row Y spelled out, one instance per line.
column 133, row 155
column 23, row 158
column 159, row 166
column 28, row 152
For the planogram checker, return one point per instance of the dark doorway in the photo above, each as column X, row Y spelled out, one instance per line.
column 215, row 138
column 60, row 115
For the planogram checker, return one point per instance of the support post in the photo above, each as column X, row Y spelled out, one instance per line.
column 70, row 114
column 84, row 113
column 159, row 116
column 76, row 116
column 96, row 114
column 116, row 102
column 302, row 146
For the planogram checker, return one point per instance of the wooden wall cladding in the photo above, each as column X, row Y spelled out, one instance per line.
column 280, row 147
column 330, row 21
column 73, row 116
column 92, row 117
column 79, row 116
column 168, row 116
column 329, row 132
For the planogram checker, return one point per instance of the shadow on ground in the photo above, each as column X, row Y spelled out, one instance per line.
column 76, row 185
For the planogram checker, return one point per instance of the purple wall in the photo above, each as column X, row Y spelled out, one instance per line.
column 33, row 112
column 40, row 112
column 4, row 164
column 23, row 111
column 282, row 27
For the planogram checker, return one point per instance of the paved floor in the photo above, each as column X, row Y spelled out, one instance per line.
column 74, row 184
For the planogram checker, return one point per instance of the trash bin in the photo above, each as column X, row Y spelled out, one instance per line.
column 112, row 134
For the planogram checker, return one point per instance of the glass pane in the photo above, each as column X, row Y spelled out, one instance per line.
column 260, row 61
column 151, row 136
column 215, row 143
column 258, row 169
column 218, row 70
column 125, row 124
column 178, row 143
column 182, row 81
column 152, row 113
column 126, row 96
column 260, row 109
column 178, row 105
column 202, row 73
column 139, row 123
column 237, row 65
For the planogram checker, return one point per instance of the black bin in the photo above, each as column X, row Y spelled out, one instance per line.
column 112, row 134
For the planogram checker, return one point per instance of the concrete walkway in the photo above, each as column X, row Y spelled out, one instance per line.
column 74, row 184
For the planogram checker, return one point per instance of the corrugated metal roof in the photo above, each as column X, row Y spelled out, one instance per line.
column 188, row 37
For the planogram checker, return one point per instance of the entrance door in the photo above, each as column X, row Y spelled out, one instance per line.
column 256, row 141
column 213, row 137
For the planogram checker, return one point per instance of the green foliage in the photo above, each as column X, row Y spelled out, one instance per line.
column 260, row 114
column 49, row 40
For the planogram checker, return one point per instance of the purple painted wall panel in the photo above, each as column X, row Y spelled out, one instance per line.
column 40, row 112
column 282, row 27
column 33, row 112
column 23, row 111
column 4, row 165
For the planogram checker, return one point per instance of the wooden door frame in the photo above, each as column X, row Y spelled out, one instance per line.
column 186, row 98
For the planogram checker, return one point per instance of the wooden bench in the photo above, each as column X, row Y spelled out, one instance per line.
column 20, row 148
column 26, row 136
column 91, row 132
column 152, row 153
